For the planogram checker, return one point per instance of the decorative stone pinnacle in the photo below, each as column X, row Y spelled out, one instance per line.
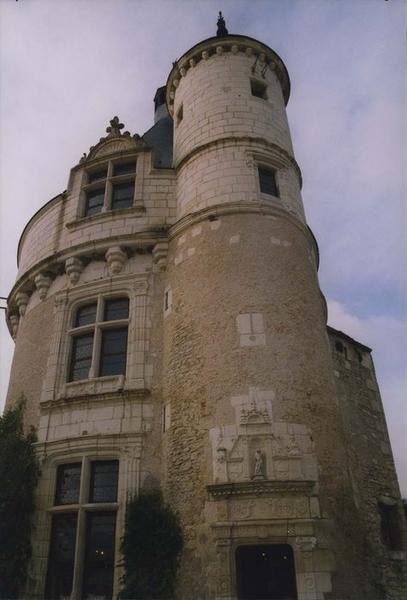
column 115, row 126
column 222, row 31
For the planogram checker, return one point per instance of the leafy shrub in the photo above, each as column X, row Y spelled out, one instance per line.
column 151, row 548
column 19, row 472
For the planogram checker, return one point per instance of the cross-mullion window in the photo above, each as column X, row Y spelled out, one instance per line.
column 99, row 339
column 110, row 187
column 82, row 541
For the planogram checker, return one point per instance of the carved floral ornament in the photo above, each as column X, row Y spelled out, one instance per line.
column 263, row 59
column 114, row 141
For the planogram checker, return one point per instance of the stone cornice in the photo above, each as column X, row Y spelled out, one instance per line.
column 89, row 400
column 54, row 264
column 260, row 488
column 238, row 140
column 231, row 43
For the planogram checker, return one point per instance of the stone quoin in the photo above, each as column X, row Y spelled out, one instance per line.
column 170, row 331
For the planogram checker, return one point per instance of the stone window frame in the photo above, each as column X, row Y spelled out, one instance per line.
column 82, row 508
column 108, row 183
column 56, row 385
column 270, row 163
column 97, row 327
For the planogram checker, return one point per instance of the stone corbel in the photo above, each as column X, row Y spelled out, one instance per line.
column 305, row 543
column 160, row 252
column 115, row 258
column 22, row 300
column 14, row 320
column 73, row 268
column 42, row 283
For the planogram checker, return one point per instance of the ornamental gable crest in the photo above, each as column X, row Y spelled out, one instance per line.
column 114, row 141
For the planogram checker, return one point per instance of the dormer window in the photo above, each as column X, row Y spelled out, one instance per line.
column 109, row 187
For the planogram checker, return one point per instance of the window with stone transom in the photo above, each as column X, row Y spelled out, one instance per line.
column 82, row 542
column 110, row 186
column 99, row 339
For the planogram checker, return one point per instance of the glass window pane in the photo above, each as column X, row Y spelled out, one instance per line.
column 125, row 168
column 81, row 359
column 103, row 481
column 268, row 182
column 99, row 556
column 68, row 483
column 94, row 201
column 97, row 175
column 123, row 195
column 61, row 556
column 113, row 352
column 85, row 315
column 117, row 308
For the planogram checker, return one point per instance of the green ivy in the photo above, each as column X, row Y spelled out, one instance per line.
column 19, row 472
column 151, row 549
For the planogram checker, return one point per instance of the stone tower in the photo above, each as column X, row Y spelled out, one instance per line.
column 172, row 298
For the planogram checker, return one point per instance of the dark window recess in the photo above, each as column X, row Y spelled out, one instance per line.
column 390, row 526
column 85, row 315
column 180, row 114
column 81, row 358
column 265, row 572
column 124, row 168
column 113, row 352
column 103, row 481
column 259, row 89
column 166, row 301
column 268, row 183
column 68, row 484
column 94, row 202
column 97, row 175
column 61, row 556
column 122, row 196
column 116, row 309
column 99, row 556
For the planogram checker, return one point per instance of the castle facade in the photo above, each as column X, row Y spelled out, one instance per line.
column 170, row 331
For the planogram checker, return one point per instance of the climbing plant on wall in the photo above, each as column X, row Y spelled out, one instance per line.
column 19, row 472
column 151, row 548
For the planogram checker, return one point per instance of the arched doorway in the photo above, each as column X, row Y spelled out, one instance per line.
column 265, row 572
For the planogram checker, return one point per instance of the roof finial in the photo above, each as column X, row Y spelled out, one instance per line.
column 222, row 31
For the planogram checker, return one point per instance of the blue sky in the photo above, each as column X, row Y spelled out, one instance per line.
column 67, row 67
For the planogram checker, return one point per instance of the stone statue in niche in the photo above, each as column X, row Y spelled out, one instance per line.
column 292, row 446
column 259, row 465
column 220, row 465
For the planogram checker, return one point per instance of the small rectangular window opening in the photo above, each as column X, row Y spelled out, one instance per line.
column 268, row 184
column 390, row 526
column 180, row 114
column 259, row 89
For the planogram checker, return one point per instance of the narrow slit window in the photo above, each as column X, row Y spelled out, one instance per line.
column 180, row 114
column 268, row 184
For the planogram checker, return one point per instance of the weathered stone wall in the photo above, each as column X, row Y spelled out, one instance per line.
column 370, row 460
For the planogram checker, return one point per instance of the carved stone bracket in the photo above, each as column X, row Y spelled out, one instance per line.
column 160, row 252
column 73, row 268
column 306, row 543
column 14, row 321
column 42, row 283
column 115, row 258
column 22, row 300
